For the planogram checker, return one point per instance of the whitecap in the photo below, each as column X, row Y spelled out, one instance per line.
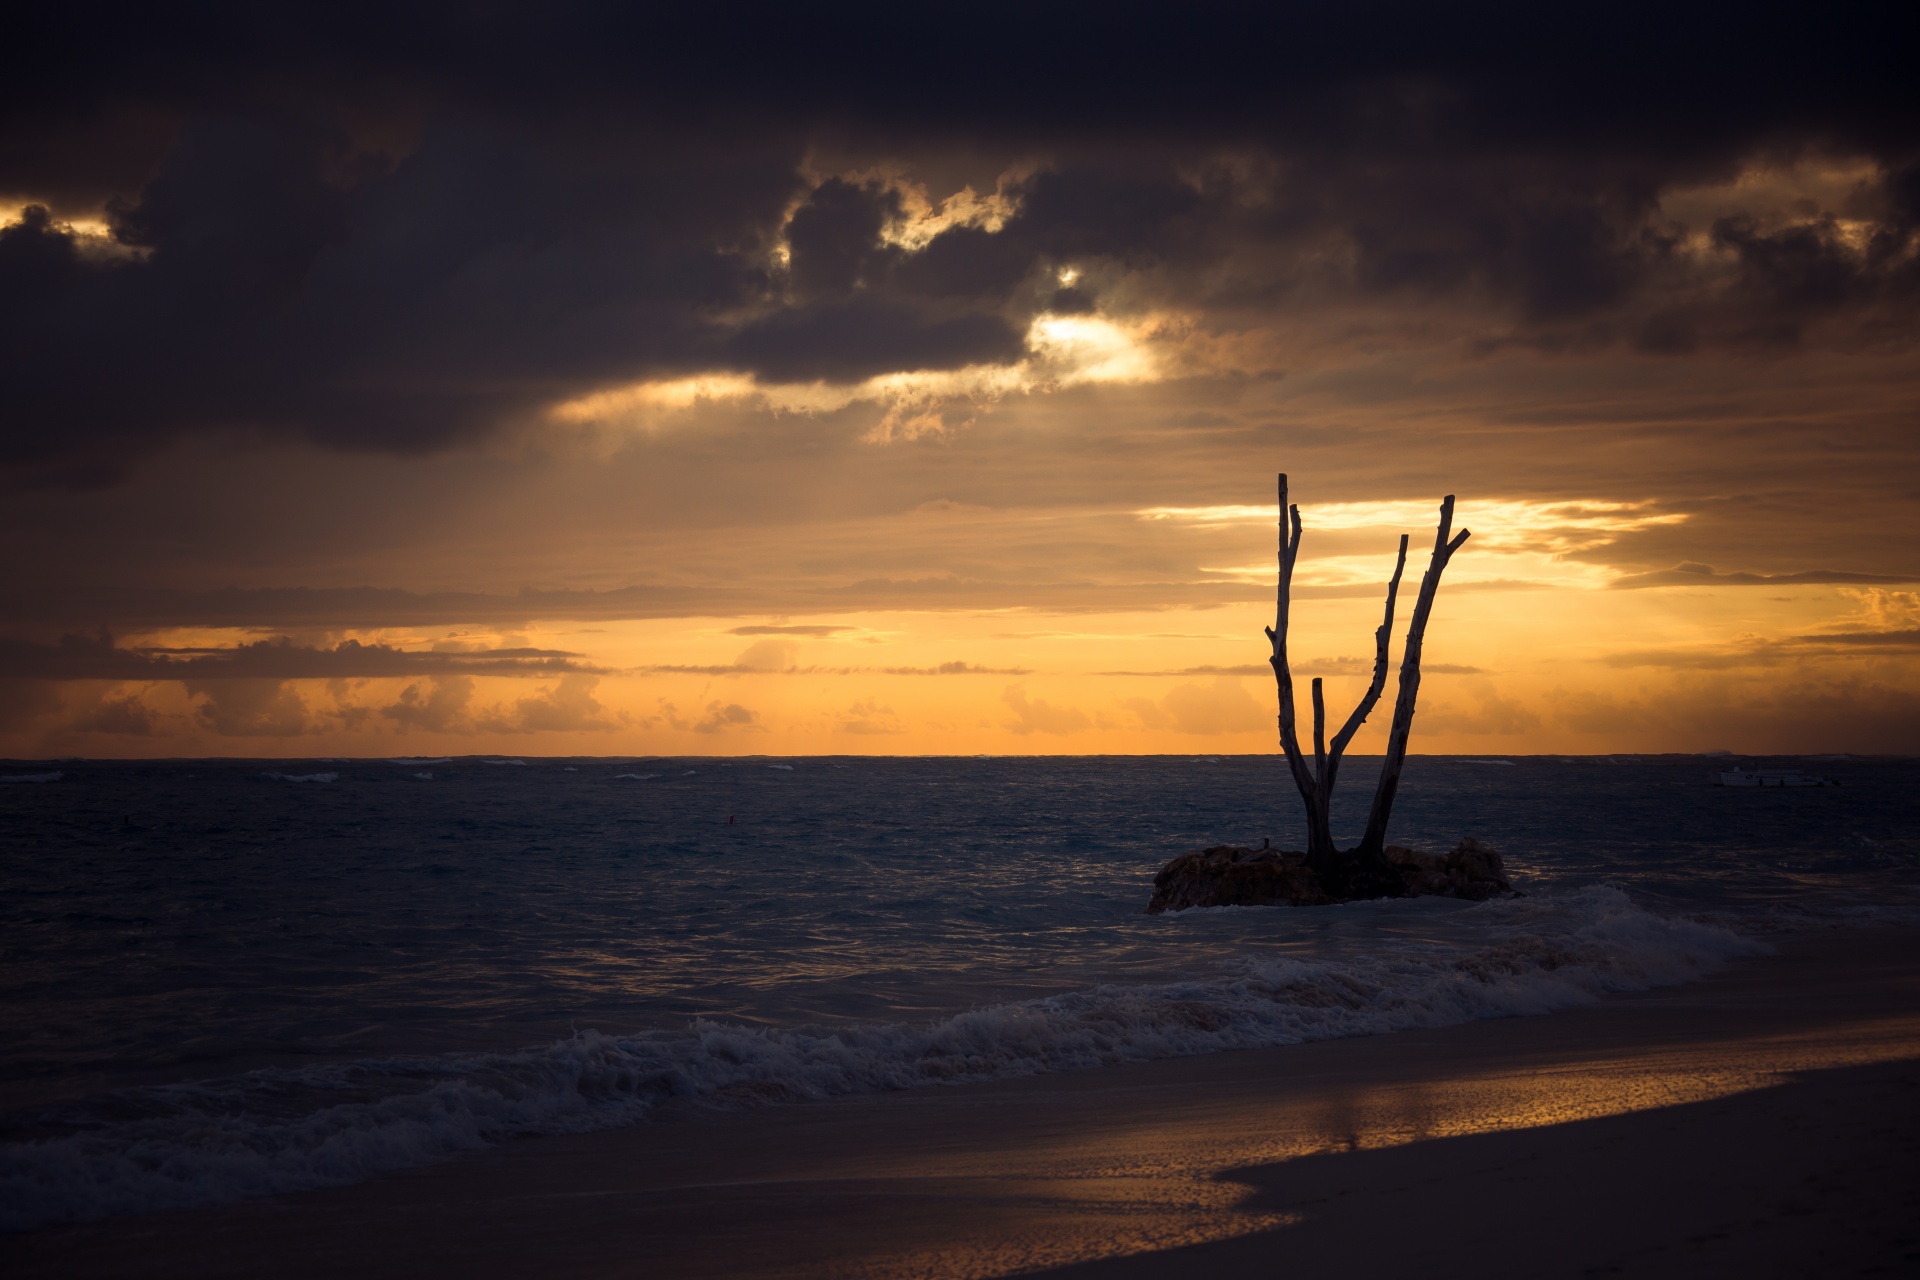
column 303, row 777
column 55, row 776
column 521, row 762
column 418, row 761
column 787, row 767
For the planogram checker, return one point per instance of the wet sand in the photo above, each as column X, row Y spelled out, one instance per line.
column 1765, row 1122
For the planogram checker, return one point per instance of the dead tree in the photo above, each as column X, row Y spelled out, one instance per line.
column 1361, row 870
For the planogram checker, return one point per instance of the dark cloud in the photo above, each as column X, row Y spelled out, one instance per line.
column 97, row 657
column 343, row 608
column 1769, row 653
column 858, row 338
column 1869, row 639
column 1801, row 714
column 1692, row 573
column 408, row 240
column 955, row 668
column 126, row 715
column 251, row 708
column 295, row 608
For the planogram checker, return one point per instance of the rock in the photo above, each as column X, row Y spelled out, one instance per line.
column 1472, row 871
column 1228, row 876
column 1422, row 873
column 1476, row 871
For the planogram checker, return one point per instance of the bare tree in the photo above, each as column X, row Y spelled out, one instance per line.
column 1362, row 869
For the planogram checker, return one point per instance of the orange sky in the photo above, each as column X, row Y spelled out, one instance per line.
column 1703, row 543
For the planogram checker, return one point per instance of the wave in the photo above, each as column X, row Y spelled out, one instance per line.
column 55, row 776
column 303, row 777
column 283, row 1130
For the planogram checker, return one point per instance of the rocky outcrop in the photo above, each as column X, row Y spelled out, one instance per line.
column 1473, row 871
column 1229, row 876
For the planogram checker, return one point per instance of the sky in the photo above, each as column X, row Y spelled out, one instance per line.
column 738, row 379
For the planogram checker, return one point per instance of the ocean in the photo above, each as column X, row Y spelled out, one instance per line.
column 224, row 979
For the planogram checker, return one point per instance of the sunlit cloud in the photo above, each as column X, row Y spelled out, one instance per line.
column 1514, row 541
column 922, row 217
column 92, row 237
column 1062, row 351
column 1773, row 196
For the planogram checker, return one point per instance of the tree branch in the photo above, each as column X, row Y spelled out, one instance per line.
column 1282, row 673
column 1374, row 841
column 1382, row 640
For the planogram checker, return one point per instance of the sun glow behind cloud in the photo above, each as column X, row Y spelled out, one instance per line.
column 92, row 237
column 1062, row 351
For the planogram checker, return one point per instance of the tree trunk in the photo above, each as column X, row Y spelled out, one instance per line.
column 1318, row 852
column 1373, row 844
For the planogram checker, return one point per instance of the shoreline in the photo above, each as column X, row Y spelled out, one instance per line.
column 1786, row 1080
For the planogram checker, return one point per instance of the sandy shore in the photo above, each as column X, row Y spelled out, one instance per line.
column 1765, row 1122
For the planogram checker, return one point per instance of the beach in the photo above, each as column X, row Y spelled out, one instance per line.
column 1763, row 1121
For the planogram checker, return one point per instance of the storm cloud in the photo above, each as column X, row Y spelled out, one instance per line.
column 235, row 222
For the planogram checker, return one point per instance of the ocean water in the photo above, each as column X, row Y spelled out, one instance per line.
column 222, row 979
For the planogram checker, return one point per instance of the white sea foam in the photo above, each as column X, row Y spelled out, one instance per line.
column 637, row 777
column 55, row 776
column 417, row 761
column 219, row 1141
column 425, row 776
column 787, row 767
column 520, row 762
column 303, row 777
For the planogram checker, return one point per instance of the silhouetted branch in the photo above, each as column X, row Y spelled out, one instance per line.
column 1373, row 842
column 1282, row 673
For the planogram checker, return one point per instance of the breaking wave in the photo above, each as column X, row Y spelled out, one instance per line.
column 287, row 1129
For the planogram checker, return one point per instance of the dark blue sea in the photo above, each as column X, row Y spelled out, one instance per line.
column 222, row 979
